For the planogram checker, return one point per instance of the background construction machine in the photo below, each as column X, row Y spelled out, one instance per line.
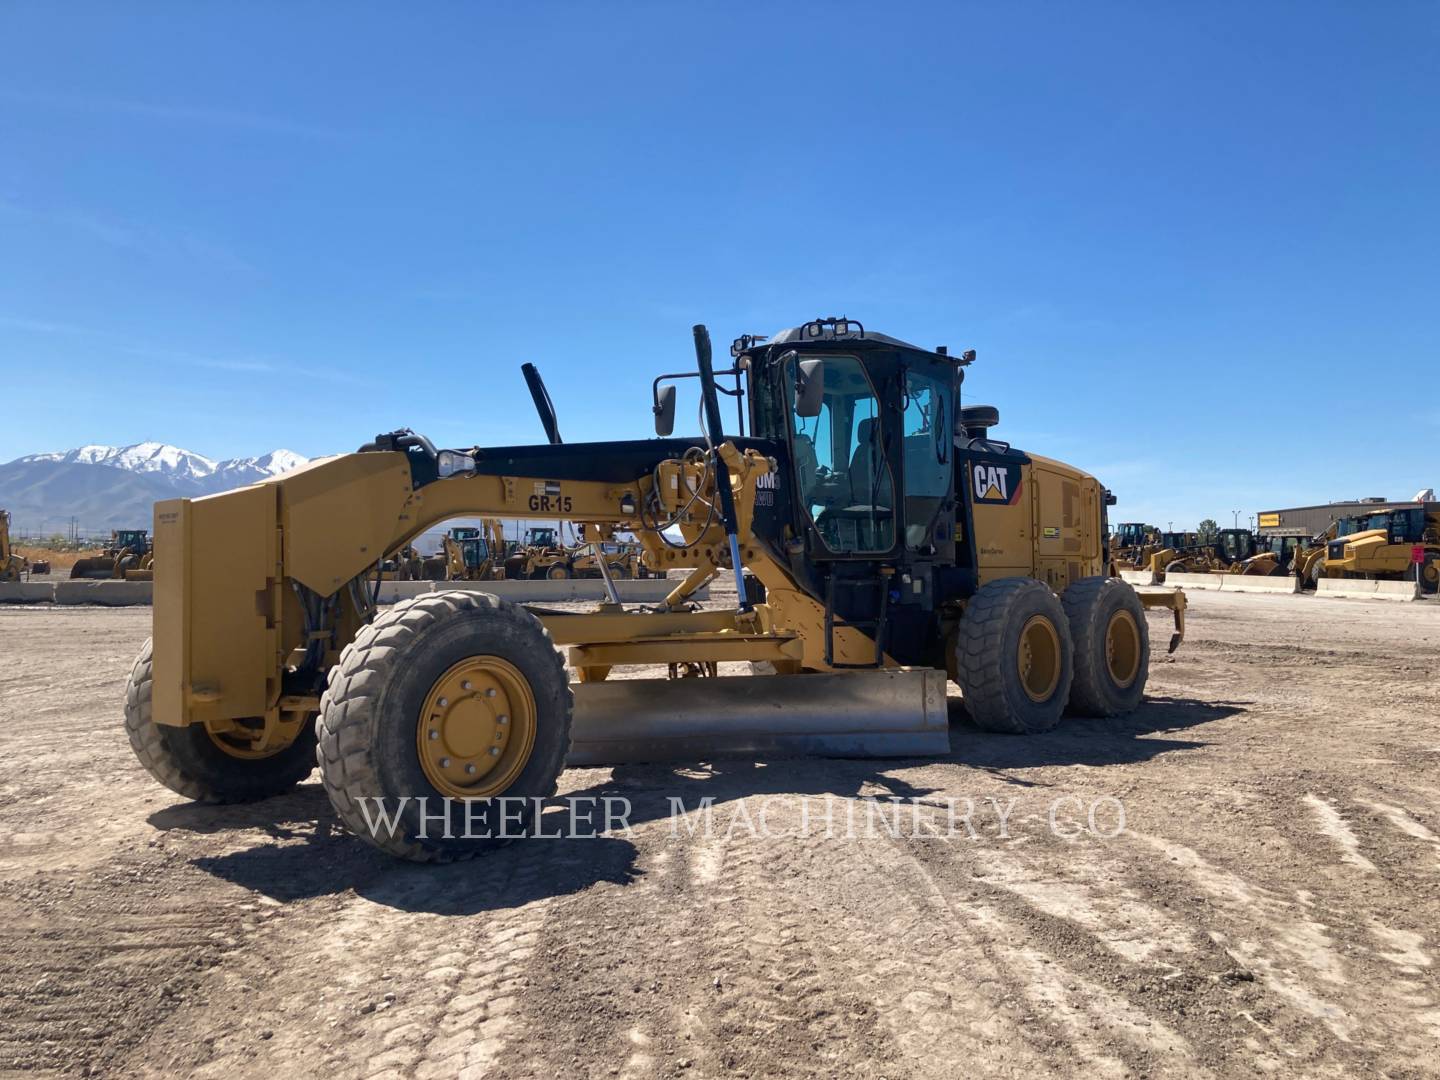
column 1392, row 545
column 13, row 566
column 128, row 555
column 474, row 554
column 894, row 539
column 540, row 554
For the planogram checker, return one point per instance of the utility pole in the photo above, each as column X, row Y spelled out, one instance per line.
column 1235, row 519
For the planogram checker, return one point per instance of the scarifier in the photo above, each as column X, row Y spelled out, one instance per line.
column 878, row 538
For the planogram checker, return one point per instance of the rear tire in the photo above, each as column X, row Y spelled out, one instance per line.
column 1112, row 646
column 190, row 763
column 1013, row 657
column 370, row 717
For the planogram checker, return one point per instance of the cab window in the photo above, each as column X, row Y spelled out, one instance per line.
column 841, row 471
column 928, row 442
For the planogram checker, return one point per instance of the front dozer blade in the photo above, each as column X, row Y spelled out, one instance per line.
column 884, row 713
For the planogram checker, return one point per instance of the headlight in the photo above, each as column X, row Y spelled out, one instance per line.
column 451, row 462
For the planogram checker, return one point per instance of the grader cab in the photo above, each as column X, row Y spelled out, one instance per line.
column 878, row 538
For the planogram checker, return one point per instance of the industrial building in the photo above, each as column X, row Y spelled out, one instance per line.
column 1312, row 520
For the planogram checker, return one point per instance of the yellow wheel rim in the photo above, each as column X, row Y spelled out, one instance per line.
column 1038, row 658
column 476, row 729
column 1122, row 649
column 558, row 573
column 237, row 746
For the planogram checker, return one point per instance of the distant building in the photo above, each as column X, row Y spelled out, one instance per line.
column 1311, row 520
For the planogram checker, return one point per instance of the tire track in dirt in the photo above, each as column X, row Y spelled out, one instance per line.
column 91, row 964
column 418, row 975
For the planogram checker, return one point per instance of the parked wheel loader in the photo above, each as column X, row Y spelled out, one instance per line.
column 541, row 554
column 128, row 555
column 895, row 541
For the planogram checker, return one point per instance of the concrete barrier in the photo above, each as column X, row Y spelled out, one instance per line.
column 1257, row 583
column 1197, row 581
column 1360, row 589
column 134, row 593
column 107, row 593
column 26, row 592
column 1139, row 577
column 638, row 591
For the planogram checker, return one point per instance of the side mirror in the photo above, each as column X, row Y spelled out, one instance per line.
column 809, row 388
column 664, row 409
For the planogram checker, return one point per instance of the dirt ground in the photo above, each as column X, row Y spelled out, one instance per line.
column 1271, row 905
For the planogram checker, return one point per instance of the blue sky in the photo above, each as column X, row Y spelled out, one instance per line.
column 1196, row 246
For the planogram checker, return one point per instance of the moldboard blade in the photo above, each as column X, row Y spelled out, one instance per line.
column 886, row 713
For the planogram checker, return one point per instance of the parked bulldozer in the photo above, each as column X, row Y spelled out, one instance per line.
column 895, row 541
column 128, row 555
column 13, row 565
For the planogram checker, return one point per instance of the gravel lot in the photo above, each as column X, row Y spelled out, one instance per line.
column 1270, row 906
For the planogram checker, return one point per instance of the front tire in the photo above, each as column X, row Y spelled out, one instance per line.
column 1112, row 646
column 191, row 762
column 455, row 698
column 1013, row 657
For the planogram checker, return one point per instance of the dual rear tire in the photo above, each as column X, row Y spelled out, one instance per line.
column 1023, row 655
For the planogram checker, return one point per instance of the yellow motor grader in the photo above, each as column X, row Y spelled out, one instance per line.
column 878, row 539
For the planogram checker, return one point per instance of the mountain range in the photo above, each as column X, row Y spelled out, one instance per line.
column 114, row 487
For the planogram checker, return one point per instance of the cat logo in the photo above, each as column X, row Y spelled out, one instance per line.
column 995, row 483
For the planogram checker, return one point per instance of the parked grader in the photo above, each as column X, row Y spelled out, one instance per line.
column 894, row 540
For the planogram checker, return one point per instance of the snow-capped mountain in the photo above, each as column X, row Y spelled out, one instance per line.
column 114, row 486
column 172, row 461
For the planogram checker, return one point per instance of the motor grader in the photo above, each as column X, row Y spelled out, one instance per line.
column 128, row 555
column 894, row 541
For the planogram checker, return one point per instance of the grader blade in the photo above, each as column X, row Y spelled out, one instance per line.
column 856, row 714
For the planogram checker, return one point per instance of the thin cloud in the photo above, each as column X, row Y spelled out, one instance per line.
column 249, row 366
column 41, row 326
column 189, row 114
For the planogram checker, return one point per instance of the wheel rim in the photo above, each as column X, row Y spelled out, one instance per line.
column 237, row 746
column 558, row 573
column 476, row 728
column 1038, row 658
column 1122, row 649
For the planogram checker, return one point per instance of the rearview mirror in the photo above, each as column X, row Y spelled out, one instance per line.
column 809, row 387
column 664, row 410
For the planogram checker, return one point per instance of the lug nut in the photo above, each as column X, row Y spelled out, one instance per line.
column 494, row 751
column 470, row 770
column 444, row 762
column 502, row 719
column 434, row 734
column 443, row 702
column 465, row 686
column 490, row 691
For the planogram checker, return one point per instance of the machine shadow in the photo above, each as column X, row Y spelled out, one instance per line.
column 1084, row 741
column 306, row 853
